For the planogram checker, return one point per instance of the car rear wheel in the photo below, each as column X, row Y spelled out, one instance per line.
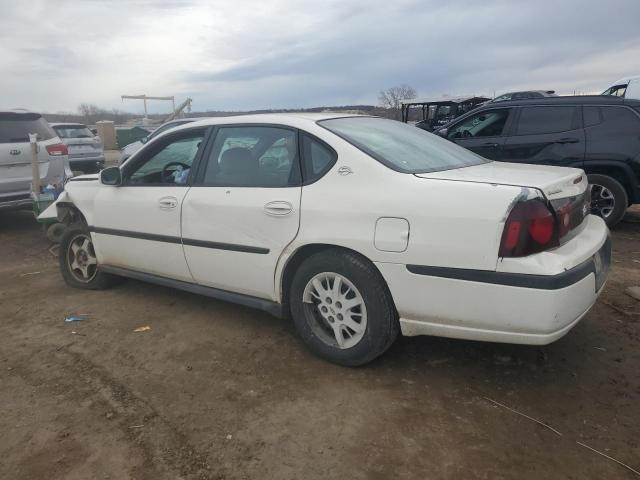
column 342, row 308
column 608, row 198
column 78, row 261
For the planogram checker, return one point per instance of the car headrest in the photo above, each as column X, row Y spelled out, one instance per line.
column 237, row 160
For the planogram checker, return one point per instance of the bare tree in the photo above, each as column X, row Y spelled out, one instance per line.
column 392, row 98
column 92, row 113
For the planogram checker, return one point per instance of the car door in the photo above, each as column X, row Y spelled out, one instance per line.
column 483, row 132
column 547, row 134
column 244, row 208
column 136, row 225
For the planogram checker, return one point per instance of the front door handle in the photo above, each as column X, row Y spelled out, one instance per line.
column 167, row 203
column 567, row 140
column 278, row 208
column 490, row 145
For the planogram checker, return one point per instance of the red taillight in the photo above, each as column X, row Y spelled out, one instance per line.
column 530, row 228
column 57, row 149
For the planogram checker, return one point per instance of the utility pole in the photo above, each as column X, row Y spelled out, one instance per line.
column 144, row 98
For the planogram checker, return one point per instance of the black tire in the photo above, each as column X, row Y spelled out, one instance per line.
column 96, row 280
column 55, row 231
column 616, row 198
column 382, row 325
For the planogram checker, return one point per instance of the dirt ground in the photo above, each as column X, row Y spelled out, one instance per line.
column 219, row 391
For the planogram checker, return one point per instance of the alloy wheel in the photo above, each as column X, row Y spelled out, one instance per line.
column 335, row 310
column 603, row 201
column 81, row 258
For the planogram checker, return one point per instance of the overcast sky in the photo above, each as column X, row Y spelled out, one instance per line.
column 250, row 54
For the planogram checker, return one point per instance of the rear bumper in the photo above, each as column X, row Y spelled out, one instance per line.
column 15, row 202
column 498, row 306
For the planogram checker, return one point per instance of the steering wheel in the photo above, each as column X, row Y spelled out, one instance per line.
column 466, row 134
column 165, row 174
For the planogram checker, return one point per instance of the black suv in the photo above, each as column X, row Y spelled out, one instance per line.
column 599, row 134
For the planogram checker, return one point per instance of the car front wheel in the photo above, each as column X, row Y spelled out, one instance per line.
column 342, row 309
column 78, row 261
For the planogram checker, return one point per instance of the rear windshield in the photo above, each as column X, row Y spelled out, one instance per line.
column 16, row 127
column 401, row 147
column 73, row 131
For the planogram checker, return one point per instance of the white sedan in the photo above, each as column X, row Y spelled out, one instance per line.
column 357, row 227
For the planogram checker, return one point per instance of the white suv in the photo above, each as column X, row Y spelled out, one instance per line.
column 358, row 227
column 15, row 157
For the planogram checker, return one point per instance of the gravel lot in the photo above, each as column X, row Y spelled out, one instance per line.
column 217, row 391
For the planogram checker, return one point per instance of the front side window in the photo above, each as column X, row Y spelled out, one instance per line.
column 486, row 124
column 540, row 120
column 253, row 156
column 73, row 131
column 401, row 147
column 164, row 128
column 168, row 164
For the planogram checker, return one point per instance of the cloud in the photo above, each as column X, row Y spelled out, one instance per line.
column 284, row 53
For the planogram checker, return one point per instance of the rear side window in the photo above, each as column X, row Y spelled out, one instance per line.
column 16, row 127
column 623, row 119
column 253, row 156
column 540, row 120
column 318, row 158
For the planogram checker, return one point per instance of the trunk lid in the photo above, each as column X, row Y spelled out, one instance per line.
column 554, row 182
column 82, row 147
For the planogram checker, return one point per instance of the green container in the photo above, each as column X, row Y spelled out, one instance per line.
column 40, row 204
column 125, row 136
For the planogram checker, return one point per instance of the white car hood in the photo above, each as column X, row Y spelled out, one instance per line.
column 554, row 182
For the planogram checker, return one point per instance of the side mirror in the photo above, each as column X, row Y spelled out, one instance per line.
column 443, row 132
column 144, row 140
column 111, row 176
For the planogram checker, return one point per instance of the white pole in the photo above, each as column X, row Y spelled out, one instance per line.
column 35, row 168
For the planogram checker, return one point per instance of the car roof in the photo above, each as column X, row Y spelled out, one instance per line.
column 569, row 100
column 63, row 124
column 292, row 119
column 17, row 110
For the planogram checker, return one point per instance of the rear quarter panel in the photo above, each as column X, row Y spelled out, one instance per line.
column 452, row 223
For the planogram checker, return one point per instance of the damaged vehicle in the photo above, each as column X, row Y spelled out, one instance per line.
column 359, row 228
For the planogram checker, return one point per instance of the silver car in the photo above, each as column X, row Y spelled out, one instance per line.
column 15, row 157
column 86, row 151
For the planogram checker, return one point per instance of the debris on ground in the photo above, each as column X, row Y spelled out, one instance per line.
column 76, row 318
column 523, row 415
column 29, row 273
column 633, row 292
column 610, row 458
column 146, row 328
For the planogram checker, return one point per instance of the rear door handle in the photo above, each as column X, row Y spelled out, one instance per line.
column 567, row 140
column 490, row 145
column 278, row 208
column 167, row 203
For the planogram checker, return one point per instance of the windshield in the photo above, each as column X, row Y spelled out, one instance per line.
column 616, row 91
column 73, row 131
column 401, row 147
